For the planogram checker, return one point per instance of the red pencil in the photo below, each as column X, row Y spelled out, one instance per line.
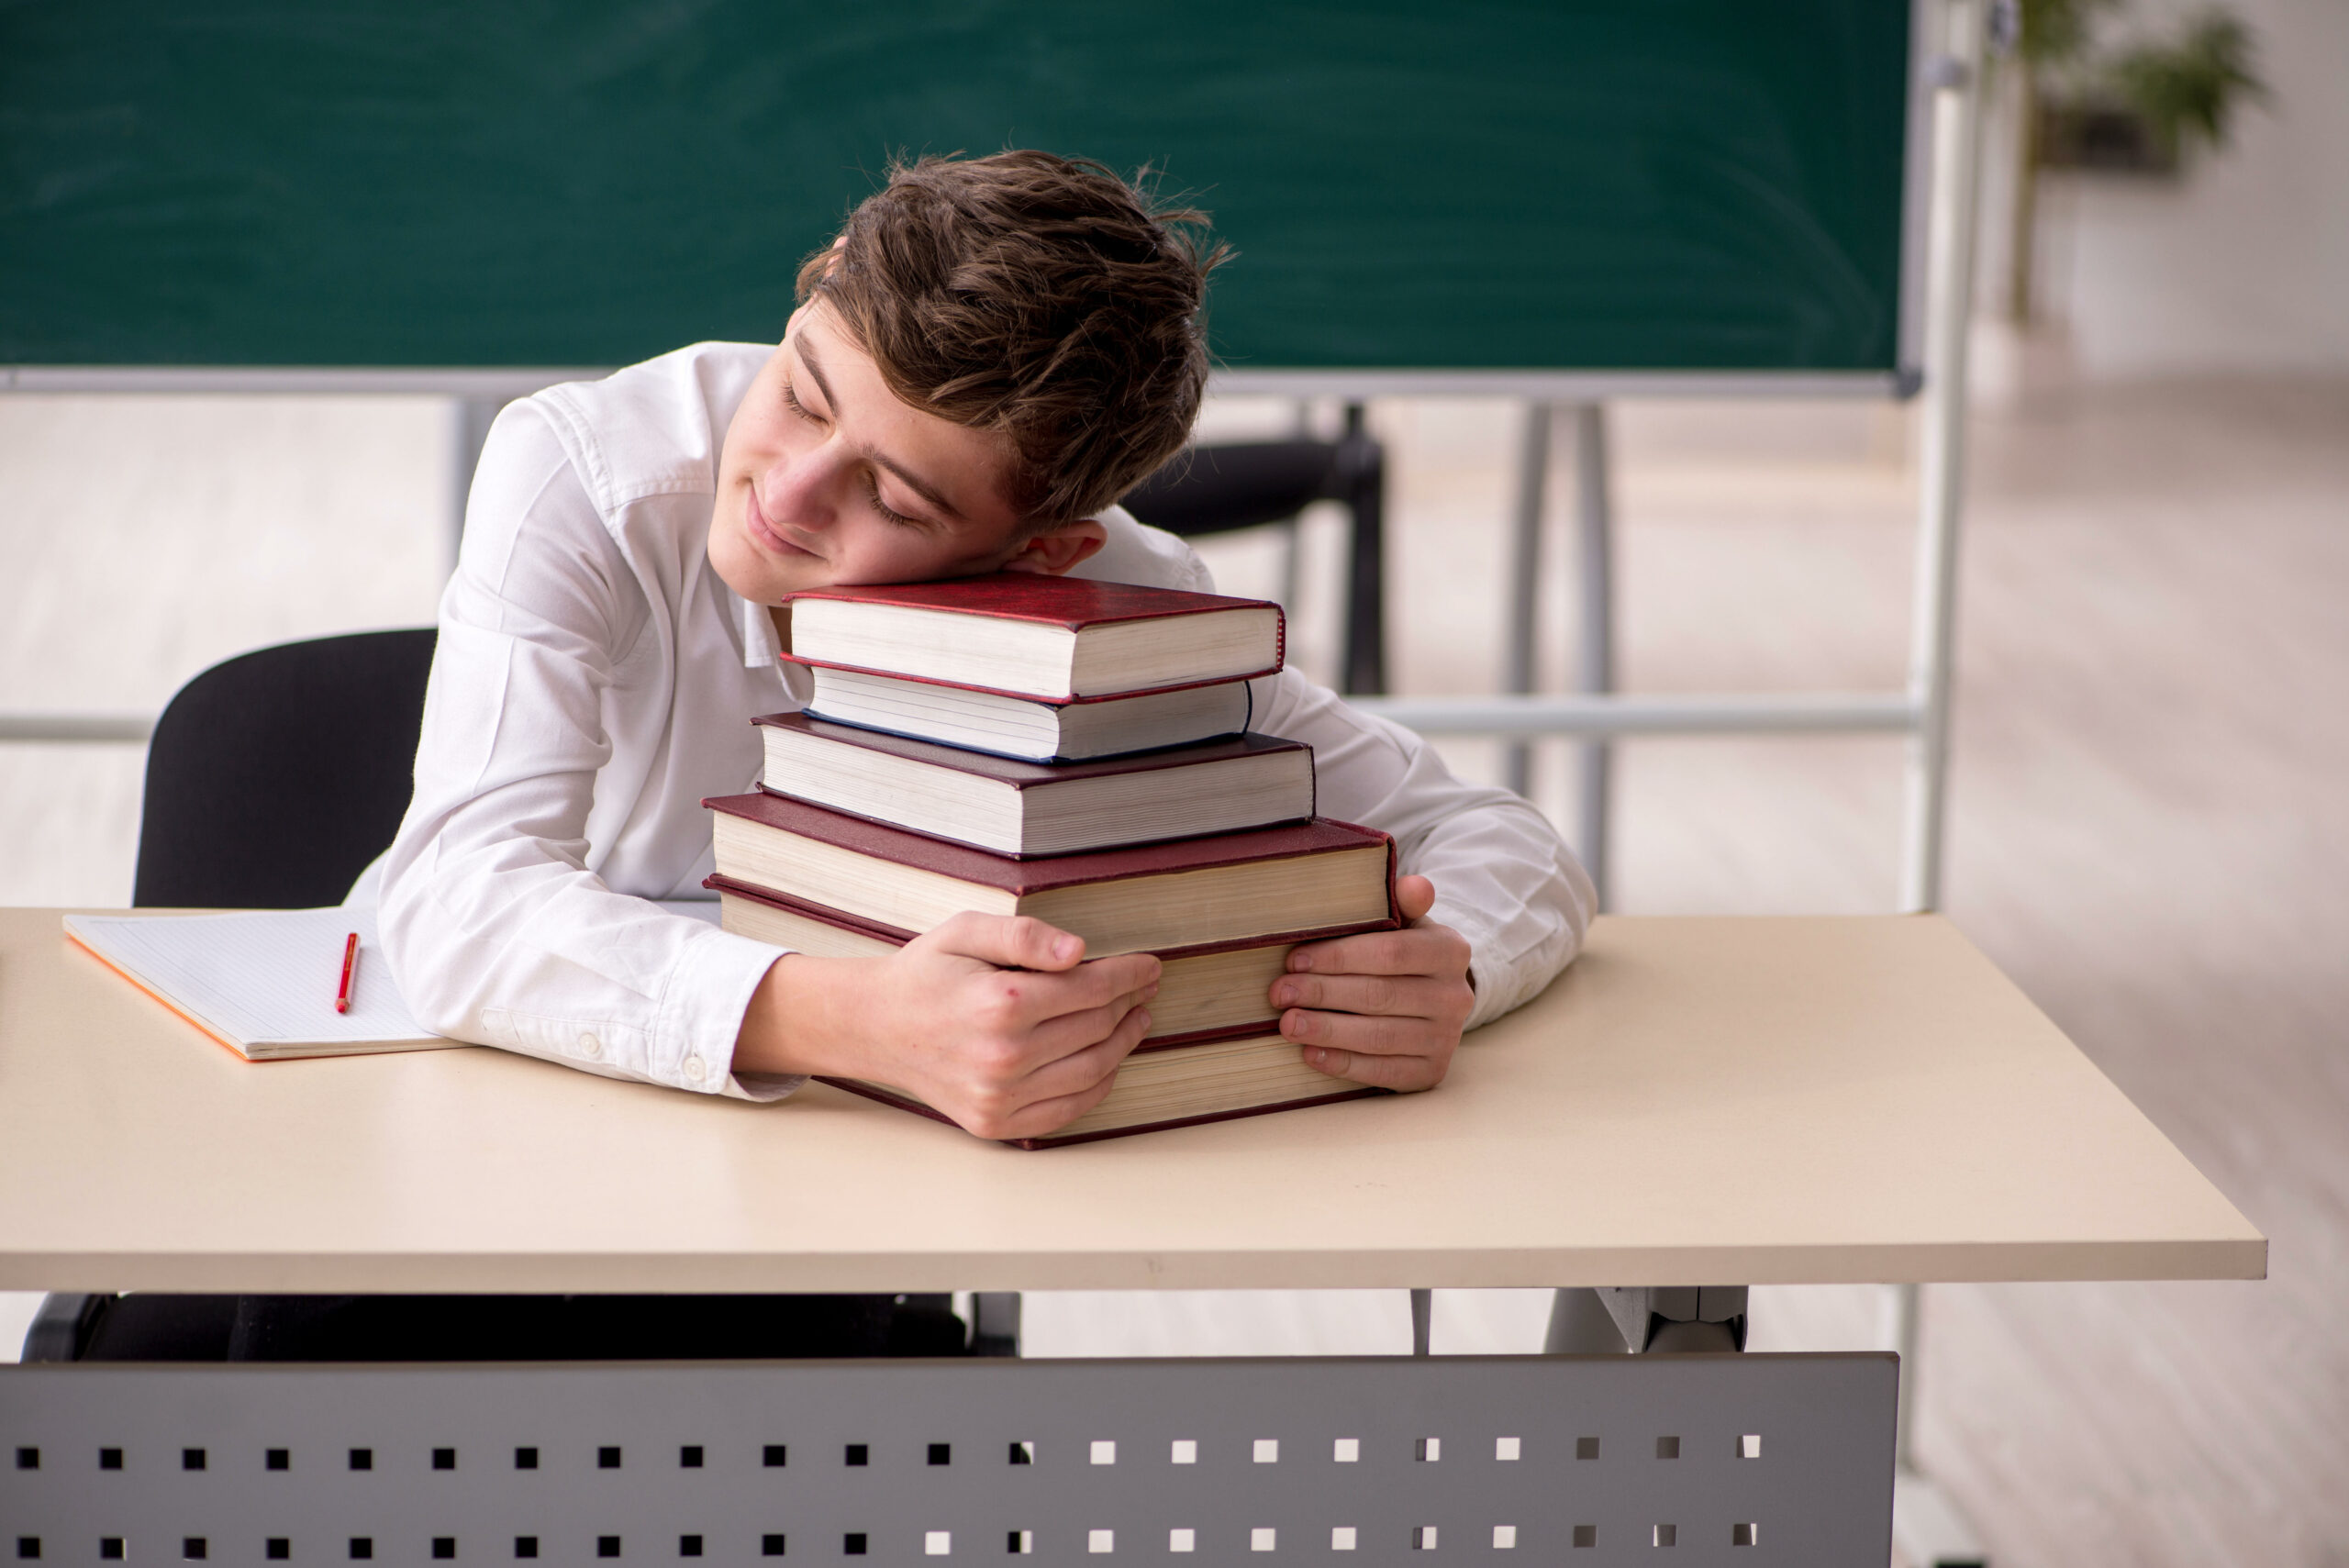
column 349, row 968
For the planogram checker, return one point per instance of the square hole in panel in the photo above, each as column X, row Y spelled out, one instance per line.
column 941, row 1454
column 1750, row 1446
column 937, row 1543
column 1506, row 1449
column 1267, row 1451
column 1585, row 1535
column 1105, row 1450
column 1428, row 1450
column 1342, row 1538
column 444, row 1459
column 363, row 1459
column 770, row 1546
column 28, row 1459
column 278, row 1459
column 1099, row 1540
column 526, row 1546
column 1745, row 1534
column 1423, row 1538
column 772, row 1455
column 444, row 1548
column 194, row 1549
column 852, row 1545
column 363, row 1548
column 1667, row 1448
column 689, row 1456
column 191, row 1459
column 1186, row 1451
column 1262, row 1539
column 857, row 1454
column 1585, row 1448
column 109, row 1459
column 1504, row 1538
column 608, row 1546
column 1023, row 1453
column 278, row 1549
column 607, row 1457
column 1665, row 1535
column 526, row 1459
column 1182, row 1541
column 1019, row 1543
column 689, row 1546
column 110, row 1549
column 27, row 1547
column 1346, row 1450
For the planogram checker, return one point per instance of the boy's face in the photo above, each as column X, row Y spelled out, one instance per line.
column 828, row 480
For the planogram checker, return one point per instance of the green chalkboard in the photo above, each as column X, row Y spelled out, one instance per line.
column 1611, row 184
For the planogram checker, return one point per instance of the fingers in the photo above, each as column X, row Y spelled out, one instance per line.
column 1395, row 995
column 1386, row 1053
column 1057, row 1093
column 1404, row 1075
column 1072, row 1031
column 1414, row 896
column 1016, row 941
column 1415, row 950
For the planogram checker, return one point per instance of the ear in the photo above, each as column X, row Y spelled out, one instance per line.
column 1051, row 554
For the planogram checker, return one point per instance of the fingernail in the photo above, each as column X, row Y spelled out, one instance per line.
column 1298, row 962
column 1150, row 990
column 1143, row 1014
column 1067, row 947
column 1284, row 995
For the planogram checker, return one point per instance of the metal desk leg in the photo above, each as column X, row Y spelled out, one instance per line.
column 1525, row 578
column 1595, row 659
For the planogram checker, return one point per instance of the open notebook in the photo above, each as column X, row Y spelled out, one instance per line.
column 262, row 983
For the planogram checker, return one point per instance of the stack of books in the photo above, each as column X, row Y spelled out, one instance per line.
column 1074, row 751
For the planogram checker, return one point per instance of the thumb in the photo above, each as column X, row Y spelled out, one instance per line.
column 1414, row 895
column 1011, row 942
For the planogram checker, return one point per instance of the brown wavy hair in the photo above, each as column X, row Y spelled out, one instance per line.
column 1037, row 296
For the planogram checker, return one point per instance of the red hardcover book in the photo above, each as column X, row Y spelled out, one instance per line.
column 1209, row 991
column 1013, row 807
column 1036, row 730
column 1143, row 1093
column 1028, row 634
column 1231, row 887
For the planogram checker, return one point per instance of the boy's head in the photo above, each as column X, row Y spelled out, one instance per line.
column 994, row 350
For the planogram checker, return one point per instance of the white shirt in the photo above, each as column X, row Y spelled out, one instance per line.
column 595, row 679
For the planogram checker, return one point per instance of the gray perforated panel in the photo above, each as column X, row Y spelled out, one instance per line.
column 1430, row 1471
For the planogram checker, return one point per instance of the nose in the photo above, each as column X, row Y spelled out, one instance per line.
column 803, row 490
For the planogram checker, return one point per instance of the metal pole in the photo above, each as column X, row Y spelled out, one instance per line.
column 1595, row 656
column 1956, row 81
column 1525, row 578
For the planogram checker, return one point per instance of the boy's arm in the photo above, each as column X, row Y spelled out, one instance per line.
column 1503, row 910
column 495, row 927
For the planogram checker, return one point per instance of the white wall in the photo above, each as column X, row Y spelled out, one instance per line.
column 2242, row 264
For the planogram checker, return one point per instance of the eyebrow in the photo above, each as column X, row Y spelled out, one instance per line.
column 911, row 480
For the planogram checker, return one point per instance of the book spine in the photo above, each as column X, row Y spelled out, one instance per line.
column 1280, row 646
column 883, row 1096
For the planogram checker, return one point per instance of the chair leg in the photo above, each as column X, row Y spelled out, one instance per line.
column 1361, row 473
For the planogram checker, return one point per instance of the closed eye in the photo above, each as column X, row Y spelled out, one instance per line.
column 873, row 494
column 791, row 401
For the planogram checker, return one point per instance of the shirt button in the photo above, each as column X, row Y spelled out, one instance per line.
column 692, row 1069
column 590, row 1046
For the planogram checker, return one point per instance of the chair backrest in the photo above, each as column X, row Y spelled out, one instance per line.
column 275, row 777
column 1242, row 484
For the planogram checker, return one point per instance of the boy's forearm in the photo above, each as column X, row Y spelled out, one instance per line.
column 803, row 1018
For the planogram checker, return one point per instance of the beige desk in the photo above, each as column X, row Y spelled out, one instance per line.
column 1699, row 1101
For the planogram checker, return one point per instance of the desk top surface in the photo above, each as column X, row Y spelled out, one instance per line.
column 1698, row 1101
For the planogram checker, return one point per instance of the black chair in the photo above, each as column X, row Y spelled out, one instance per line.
column 1246, row 484
column 273, row 780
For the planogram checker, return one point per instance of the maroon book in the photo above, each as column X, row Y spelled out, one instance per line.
column 1095, row 1135
column 1208, row 991
column 1013, row 807
column 1225, row 888
column 1029, row 635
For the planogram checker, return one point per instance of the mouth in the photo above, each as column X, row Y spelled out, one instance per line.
column 764, row 533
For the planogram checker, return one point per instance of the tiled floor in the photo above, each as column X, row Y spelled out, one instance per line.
column 2148, row 824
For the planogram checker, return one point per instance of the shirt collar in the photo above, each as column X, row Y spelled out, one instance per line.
column 760, row 648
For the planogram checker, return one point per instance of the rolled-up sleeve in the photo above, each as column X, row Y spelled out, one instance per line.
column 1504, row 879
column 495, row 927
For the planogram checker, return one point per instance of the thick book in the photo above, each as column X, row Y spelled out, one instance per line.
column 1210, row 991
column 1070, row 729
column 1156, row 1090
column 1011, row 807
column 1227, row 889
column 1029, row 635
column 262, row 984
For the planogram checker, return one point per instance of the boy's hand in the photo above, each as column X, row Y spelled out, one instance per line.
column 995, row 1022
column 1385, row 1008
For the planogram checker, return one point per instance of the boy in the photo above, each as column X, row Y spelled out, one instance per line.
column 994, row 350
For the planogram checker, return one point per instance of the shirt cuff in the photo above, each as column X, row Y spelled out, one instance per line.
column 701, row 1015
